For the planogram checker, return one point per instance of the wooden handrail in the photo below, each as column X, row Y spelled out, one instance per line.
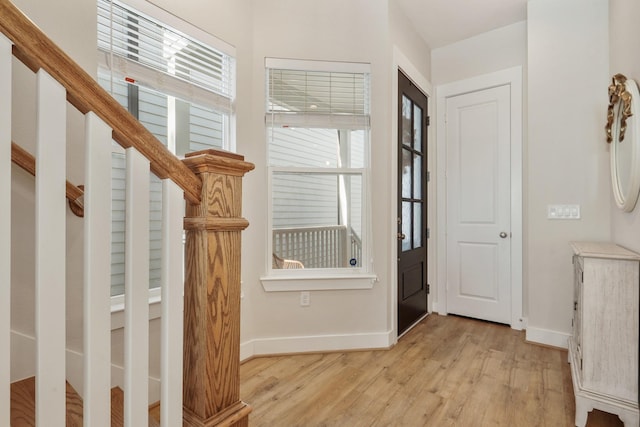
column 26, row 161
column 33, row 48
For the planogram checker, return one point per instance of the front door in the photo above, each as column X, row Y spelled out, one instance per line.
column 412, row 204
column 478, row 182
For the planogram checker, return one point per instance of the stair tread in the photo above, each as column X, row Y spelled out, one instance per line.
column 23, row 409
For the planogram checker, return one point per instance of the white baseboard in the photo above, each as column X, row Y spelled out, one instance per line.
column 117, row 380
column 23, row 356
column 547, row 337
column 317, row 343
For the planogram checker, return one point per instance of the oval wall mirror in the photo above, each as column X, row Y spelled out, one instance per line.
column 623, row 121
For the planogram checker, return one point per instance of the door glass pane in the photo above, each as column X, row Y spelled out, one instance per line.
column 407, row 222
column 417, row 128
column 407, row 137
column 417, row 176
column 417, row 225
column 406, row 173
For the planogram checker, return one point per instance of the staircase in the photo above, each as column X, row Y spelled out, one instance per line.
column 23, row 406
column 200, row 311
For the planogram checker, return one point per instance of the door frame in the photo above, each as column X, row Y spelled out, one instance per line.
column 513, row 78
column 402, row 63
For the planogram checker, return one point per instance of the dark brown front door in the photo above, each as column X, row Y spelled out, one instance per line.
column 412, row 203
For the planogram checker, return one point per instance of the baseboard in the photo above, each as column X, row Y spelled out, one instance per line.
column 547, row 337
column 117, row 379
column 316, row 343
column 23, row 356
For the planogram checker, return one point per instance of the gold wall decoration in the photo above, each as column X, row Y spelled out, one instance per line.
column 618, row 93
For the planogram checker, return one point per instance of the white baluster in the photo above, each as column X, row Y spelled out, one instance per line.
column 97, row 273
column 50, row 271
column 5, row 228
column 172, row 304
column 136, row 294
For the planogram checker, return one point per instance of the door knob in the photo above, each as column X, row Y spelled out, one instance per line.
column 503, row 234
column 401, row 236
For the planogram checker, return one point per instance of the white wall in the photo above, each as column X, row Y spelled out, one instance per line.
column 495, row 50
column 624, row 33
column 405, row 38
column 567, row 158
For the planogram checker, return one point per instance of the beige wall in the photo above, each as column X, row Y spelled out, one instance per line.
column 624, row 55
column 566, row 158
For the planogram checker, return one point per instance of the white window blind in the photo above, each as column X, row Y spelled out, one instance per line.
column 318, row 98
column 139, row 47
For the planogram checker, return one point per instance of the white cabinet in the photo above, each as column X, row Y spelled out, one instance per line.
column 603, row 347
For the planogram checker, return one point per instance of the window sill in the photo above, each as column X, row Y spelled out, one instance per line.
column 117, row 308
column 282, row 283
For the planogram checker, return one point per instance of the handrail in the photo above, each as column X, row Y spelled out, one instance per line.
column 33, row 48
column 26, row 161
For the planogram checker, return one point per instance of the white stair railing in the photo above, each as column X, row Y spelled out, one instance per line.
column 172, row 304
column 50, row 250
column 97, row 272
column 136, row 294
column 50, row 270
column 5, row 229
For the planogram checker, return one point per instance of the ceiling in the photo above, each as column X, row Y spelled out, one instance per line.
column 441, row 22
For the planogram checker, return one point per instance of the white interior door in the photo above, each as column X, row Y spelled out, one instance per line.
column 478, row 180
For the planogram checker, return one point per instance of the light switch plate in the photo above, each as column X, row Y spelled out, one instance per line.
column 563, row 211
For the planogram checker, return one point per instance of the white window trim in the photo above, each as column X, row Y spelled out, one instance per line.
column 321, row 280
column 311, row 65
column 280, row 280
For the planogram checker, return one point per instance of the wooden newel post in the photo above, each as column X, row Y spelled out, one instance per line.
column 212, row 293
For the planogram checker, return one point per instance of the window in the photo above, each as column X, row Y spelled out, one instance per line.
column 179, row 83
column 317, row 119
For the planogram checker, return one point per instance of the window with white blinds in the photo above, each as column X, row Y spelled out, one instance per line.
column 179, row 87
column 318, row 97
column 135, row 45
column 317, row 118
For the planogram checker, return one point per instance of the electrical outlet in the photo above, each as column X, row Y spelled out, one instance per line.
column 305, row 299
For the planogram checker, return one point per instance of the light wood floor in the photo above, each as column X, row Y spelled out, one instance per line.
column 447, row 371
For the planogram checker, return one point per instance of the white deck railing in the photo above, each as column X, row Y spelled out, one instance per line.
column 50, row 275
column 318, row 247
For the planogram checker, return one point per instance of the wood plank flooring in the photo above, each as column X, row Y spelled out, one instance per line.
column 447, row 371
